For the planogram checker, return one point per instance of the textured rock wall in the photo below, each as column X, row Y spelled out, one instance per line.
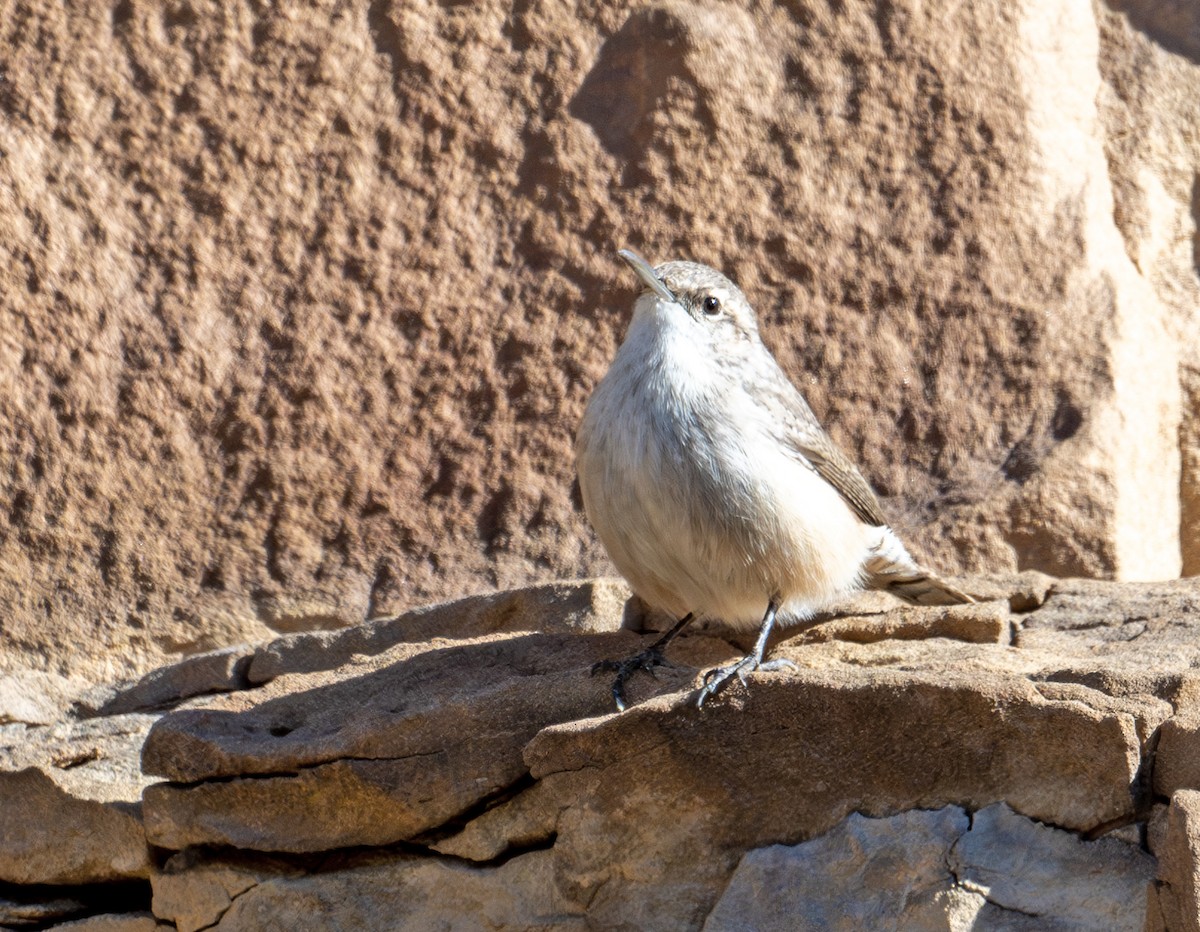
column 299, row 305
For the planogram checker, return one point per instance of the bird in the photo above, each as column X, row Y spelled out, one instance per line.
column 712, row 485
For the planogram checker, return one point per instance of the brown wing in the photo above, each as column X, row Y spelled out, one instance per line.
column 836, row 469
column 804, row 433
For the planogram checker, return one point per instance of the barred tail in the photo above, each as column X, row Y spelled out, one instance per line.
column 924, row 590
column 891, row 568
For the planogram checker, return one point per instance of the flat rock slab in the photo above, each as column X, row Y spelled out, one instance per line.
column 582, row 606
column 1175, row 840
column 215, row 671
column 34, row 697
column 862, row 874
column 983, row 623
column 867, row 739
column 194, row 892
column 378, row 752
column 1029, row 869
column 936, row 870
column 403, row 740
column 384, row 891
column 70, row 803
column 1177, row 758
column 666, row 798
column 1136, row 630
column 336, row 805
column 50, row 836
column 115, row 922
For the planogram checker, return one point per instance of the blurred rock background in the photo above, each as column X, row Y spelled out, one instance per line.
column 300, row 305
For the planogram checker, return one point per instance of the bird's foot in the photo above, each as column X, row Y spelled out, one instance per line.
column 647, row 660
column 718, row 678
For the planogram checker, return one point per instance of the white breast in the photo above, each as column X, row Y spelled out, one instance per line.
column 702, row 513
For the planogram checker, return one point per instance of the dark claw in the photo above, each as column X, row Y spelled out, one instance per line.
column 718, row 678
column 647, row 660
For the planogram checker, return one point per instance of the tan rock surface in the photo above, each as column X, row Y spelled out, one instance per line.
column 1177, row 848
column 51, row 837
column 1140, row 643
column 218, row 671
column 403, row 697
column 645, row 814
column 480, row 778
column 883, row 745
column 586, row 605
column 33, row 697
column 299, row 308
column 1189, row 445
column 117, row 922
column 194, row 892
column 1177, row 758
column 409, row 893
column 1000, row 723
column 938, row 870
column 371, row 735
column 70, row 803
column 986, row 623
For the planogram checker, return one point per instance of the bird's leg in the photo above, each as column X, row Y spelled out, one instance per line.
column 647, row 660
column 717, row 679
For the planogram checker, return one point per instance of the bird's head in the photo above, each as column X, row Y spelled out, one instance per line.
column 695, row 298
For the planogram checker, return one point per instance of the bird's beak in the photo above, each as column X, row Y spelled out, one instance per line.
column 646, row 274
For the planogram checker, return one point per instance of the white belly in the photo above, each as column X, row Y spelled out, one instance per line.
column 717, row 535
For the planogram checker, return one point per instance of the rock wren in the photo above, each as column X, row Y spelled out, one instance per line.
column 713, row 487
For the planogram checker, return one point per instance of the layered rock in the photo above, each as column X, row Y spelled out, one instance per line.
column 78, row 784
column 1025, row 762
column 73, row 842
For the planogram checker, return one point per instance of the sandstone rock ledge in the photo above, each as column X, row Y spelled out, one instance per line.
column 1029, row 762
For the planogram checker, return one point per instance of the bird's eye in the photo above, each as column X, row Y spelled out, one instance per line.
column 711, row 305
